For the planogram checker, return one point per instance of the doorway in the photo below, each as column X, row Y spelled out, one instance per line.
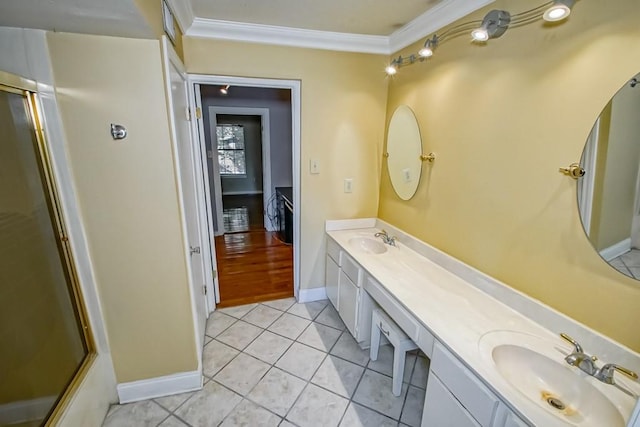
column 257, row 121
column 241, row 179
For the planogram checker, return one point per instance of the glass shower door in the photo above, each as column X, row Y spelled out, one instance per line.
column 42, row 339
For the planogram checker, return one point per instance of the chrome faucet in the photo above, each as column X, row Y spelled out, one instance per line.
column 587, row 364
column 605, row 374
column 579, row 358
column 385, row 238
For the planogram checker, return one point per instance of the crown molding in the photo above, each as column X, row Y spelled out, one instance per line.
column 441, row 15
column 286, row 36
column 183, row 12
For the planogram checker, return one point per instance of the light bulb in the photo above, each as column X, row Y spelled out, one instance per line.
column 425, row 52
column 480, row 34
column 224, row 90
column 557, row 12
column 391, row 69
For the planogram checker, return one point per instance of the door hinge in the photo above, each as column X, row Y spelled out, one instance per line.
column 198, row 113
column 215, row 273
column 204, row 289
column 187, row 113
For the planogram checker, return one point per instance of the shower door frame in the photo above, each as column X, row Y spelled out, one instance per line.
column 29, row 90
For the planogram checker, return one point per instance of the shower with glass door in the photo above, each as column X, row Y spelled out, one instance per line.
column 45, row 341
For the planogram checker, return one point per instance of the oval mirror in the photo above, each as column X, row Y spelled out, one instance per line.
column 404, row 148
column 609, row 192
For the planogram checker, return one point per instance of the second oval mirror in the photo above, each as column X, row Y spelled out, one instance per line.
column 609, row 192
column 404, row 148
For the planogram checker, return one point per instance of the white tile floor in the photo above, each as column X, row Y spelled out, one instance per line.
column 628, row 263
column 286, row 364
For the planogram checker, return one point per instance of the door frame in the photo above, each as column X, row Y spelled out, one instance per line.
column 266, row 155
column 171, row 59
column 586, row 184
column 296, row 100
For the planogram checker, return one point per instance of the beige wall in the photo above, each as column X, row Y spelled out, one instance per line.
column 343, row 107
column 127, row 197
column 502, row 118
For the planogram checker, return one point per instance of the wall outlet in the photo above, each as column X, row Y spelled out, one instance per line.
column 314, row 166
column 348, row 185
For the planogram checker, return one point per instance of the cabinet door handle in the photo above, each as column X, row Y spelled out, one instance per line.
column 382, row 329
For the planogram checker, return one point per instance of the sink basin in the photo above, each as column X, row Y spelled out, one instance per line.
column 536, row 368
column 368, row 245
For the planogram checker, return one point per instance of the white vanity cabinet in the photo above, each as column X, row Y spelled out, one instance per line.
column 332, row 271
column 455, row 397
column 344, row 279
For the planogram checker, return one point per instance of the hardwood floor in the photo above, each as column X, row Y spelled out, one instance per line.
column 243, row 212
column 253, row 266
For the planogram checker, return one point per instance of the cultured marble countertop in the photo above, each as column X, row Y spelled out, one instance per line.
column 458, row 315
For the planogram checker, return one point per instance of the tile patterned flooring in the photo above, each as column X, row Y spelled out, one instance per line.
column 628, row 263
column 281, row 363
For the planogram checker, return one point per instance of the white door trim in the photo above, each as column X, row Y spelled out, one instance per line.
column 586, row 184
column 171, row 59
column 296, row 104
column 266, row 148
column 209, row 250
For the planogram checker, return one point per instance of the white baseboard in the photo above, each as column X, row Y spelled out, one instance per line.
column 616, row 250
column 161, row 386
column 313, row 294
column 26, row 410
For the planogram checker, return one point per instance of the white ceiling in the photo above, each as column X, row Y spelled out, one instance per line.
column 374, row 26
column 373, row 17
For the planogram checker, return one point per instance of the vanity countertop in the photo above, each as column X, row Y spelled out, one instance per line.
column 458, row 314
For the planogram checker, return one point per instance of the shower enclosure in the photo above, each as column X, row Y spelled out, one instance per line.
column 44, row 338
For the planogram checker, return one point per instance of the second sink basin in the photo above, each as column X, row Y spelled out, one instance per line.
column 368, row 245
column 548, row 381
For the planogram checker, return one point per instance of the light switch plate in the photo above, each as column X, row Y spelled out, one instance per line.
column 348, row 185
column 406, row 174
column 314, row 166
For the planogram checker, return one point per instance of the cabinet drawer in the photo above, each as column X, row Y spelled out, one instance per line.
column 463, row 384
column 441, row 409
column 351, row 269
column 505, row 418
column 333, row 250
column 393, row 308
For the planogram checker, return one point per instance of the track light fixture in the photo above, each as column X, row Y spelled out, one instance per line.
column 493, row 25
column 429, row 46
column 559, row 10
column 400, row 61
column 392, row 68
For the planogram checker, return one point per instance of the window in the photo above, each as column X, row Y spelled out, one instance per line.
column 231, row 156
